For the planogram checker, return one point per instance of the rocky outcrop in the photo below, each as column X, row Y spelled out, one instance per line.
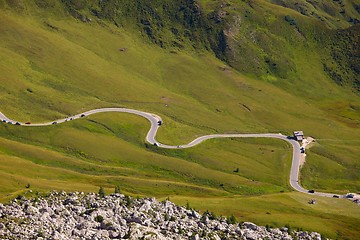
column 89, row 216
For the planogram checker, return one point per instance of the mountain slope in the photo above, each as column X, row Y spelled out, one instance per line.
column 245, row 34
column 236, row 66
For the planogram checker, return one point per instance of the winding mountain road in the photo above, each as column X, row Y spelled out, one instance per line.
column 150, row 137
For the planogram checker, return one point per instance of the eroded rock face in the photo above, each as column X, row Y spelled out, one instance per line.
column 88, row 216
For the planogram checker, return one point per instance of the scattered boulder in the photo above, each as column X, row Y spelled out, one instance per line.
column 88, row 216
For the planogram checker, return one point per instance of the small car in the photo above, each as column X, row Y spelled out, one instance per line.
column 82, row 115
column 156, row 144
column 17, row 123
column 311, row 191
column 349, row 195
column 159, row 123
column 28, row 123
column 54, row 123
column 336, row 196
column 4, row 121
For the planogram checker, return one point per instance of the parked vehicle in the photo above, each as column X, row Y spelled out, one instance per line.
column 17, row 123
column 82, row 115
column 302, row 150
column 350, row 195
column 4, row 121
column 159, row 123
column 336, row 196
column 28, row 123
column 311, row 191
column 156, row 144
column 54, row 123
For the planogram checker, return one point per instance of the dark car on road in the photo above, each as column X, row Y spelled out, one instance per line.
column 159, row 123
column 4, row 121
column 54, row 123
column 311, row 191
column 336, row 196
column 17, row 123
column 82, row 115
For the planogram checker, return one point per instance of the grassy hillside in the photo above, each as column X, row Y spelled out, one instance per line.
column 334, row 14
column 289, row 209
column 59, row 58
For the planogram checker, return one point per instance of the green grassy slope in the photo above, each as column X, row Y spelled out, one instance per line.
column 334, row 218
column 53, row 65
column 118, row 149
column 105, row 150
column 335, row 14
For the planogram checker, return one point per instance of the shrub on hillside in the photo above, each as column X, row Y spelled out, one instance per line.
column 290, row 20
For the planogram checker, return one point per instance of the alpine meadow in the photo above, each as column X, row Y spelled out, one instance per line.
column 205, row 67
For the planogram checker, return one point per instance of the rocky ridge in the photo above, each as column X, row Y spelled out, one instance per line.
column 63, row 215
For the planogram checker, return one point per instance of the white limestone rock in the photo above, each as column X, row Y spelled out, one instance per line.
column 88, row 216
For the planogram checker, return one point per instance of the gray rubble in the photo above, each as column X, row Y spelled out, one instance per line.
column 64, row 216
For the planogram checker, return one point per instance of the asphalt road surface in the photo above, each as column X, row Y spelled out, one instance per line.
column 155, row 120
